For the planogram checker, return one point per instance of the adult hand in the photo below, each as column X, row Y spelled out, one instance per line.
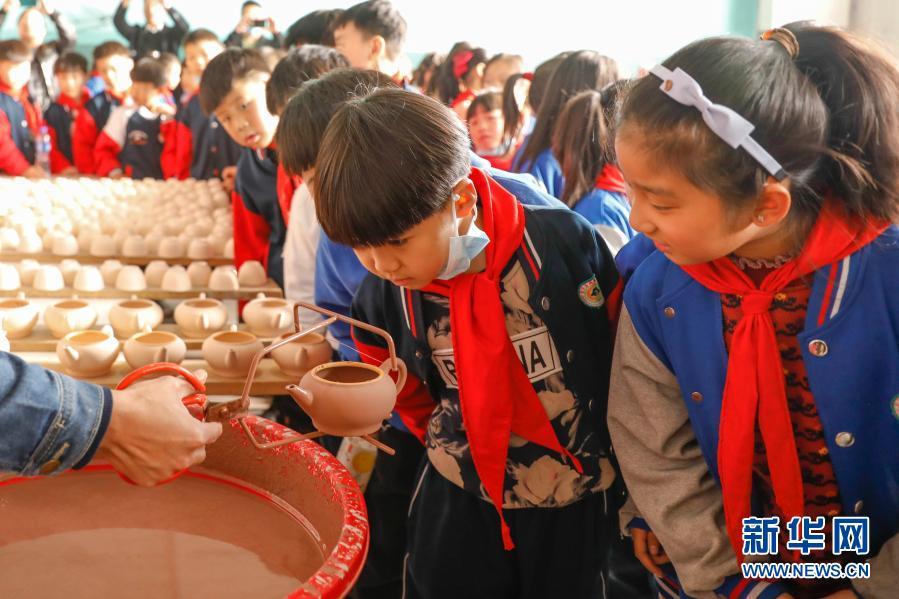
column 271, row 25
column 648, row 550
column 151, row 435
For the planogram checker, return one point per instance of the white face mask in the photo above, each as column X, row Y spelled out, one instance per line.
column 463, row 248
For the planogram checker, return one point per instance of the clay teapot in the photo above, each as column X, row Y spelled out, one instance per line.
column 200, row 316
column 301, row 355
column 88, row 354
column 154, row 346
column 133, row 316
column 68, row 316
column 348, row 399
column 268, row 317
column 230, row 353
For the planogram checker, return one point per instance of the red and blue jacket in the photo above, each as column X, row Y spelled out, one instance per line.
column 200, row 147
column 853, row 311
column 132, row 142
column 19, row 124
column 88, row 125
column 60, row 118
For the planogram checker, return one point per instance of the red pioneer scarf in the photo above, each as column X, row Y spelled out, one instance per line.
column 755, row 388
column 610, row 179
column 32, row 115
column 495, row 394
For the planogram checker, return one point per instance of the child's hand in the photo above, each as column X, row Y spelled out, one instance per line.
column 69, row 172
column 34, row 172
column 648, row 550
column 228, row 175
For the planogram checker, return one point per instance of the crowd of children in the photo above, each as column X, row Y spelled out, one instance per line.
column 725, row 223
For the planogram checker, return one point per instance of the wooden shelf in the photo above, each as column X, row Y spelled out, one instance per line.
column 269, row 379
column 46, row 257
column 40, row 339
column 271, row 289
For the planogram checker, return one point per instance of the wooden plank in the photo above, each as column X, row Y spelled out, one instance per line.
column 269, row 379
column 46, row 257
column 270, row 289
column 40, row 339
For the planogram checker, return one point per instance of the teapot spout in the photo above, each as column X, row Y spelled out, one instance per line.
column 301, row 396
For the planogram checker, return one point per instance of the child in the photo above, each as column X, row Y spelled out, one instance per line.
column 371, row 35
column 71, row 73
column 131, row 142
column 755, row 369
column 201, row 148
column 461, row 76
column 499, row 68
column 114, row 63
column 156, row 35
column 423, row 75
column 233, row 89
column 172, row 66
column 498, row 312
column 317, row 27
column 486, row 126
column 20, row 121
column 577, row 72
column 583, row 146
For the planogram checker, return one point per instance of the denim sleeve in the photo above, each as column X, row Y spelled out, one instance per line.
column 48, row 422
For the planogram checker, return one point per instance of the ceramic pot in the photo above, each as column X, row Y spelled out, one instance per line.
column 133, row 316
column 69, row 316
column 224, row 278
column 155, row 271
column 18, row 316
column 268, row 317
column 48, row 278
column 348, row 399
column 200, row 316
column 155, row 346
column 88, row 354
column 230, row 353
column 89, row 278
column 251, row 274
column 9, row 278
column 299, row 356
column 199, row 273
column 176, row 279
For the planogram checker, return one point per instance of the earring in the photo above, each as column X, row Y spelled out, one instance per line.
column 760, row 218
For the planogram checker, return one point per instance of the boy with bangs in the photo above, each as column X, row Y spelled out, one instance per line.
column 499, row 312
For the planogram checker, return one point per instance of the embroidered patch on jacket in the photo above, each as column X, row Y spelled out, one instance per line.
column 590, row 293
column 896, row 407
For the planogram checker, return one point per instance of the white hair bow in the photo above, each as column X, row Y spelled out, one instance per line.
column 723, row 121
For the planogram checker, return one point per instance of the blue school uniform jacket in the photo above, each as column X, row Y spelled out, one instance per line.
column 545, row 168
column 855, row 380
column 21, row 135
column 204, row 148
column 609, row 212
column 256, row 187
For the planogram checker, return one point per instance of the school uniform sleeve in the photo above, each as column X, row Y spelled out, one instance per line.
column 12, row 161
column 250, row 233
column 665, row 472
column 884, row 573
column 177, row 32
column 414, row 403
column 58, row 160
column 300, row 248
column 84, row 139
column 129, row 32
column 110, row 142
column 169, row 160
column 66, row 30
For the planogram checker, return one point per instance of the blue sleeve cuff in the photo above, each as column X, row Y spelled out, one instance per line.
column 639, row 523
column 737, row 587
column 101, row 430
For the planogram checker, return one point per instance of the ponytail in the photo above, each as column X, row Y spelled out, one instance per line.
column 512, row 111
column 582, row 144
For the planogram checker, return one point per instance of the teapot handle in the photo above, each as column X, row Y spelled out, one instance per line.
column 401, row 372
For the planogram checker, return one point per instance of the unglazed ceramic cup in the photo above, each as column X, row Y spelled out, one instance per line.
column 224, row 278
column 176, row 279
column 18, row 316
column 110, row 270
column 230, row 353
column 133, row 316
column 199, row 273
column 89, row 278
column 9, row 278
column 69, row 316
column 131, row 278
column 103, row 245
column 69, row 269
column 31, row 243
column 251, row 274
column 199, row 317
column 87, row 354
column 27, row 270
column 170, row 247
column 48, row 278
column 154, row 346
column 199, row 249
column 155, row 271
column 303, row 354
column 348, row 399
column 268, row 317
column 65, row 245
column 134, row 245
column 228, row 250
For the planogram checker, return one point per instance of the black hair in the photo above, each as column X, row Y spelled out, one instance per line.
column 577, row 72
column 445, row 82
column 378, row 17
column 248, row 4
column 316, row 27
column 489, row 100
column 168, row 60
column 387, row 162
column 423, row 75
column 513, row 62
column 109, row 49
column 824, row 103
column 299, row 66
column 511, row 110
column 234, row 64
column 307, row 114
column 583, row 142
column 198, row 36
column 149, row 70
column 70, row 61
column 540, row 79
column 14, row 51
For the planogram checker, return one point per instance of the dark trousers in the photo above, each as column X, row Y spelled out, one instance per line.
column 455, row 548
